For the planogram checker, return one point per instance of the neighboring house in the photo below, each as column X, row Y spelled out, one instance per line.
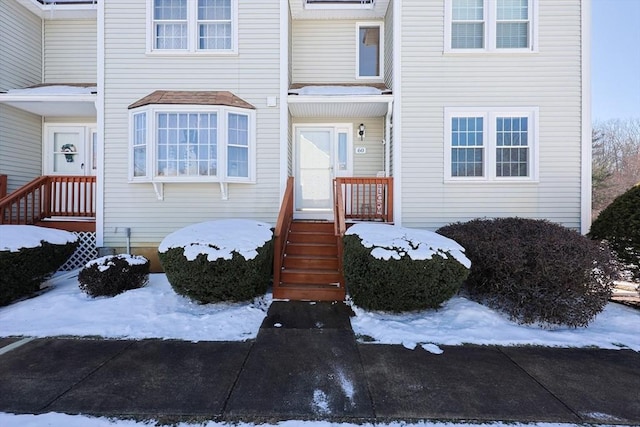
column 203, row 108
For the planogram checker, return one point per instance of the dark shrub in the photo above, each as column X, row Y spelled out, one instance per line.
column 233, row 279
column 24, row 270
column 111, row 275
column 619, row 225
column 403, row 284
column 535, row 270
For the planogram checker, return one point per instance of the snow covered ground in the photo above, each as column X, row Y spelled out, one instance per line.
column 156, row 311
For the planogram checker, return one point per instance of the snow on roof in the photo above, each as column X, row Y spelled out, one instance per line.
column 336, row 90
column 55, row 90
column 219, row 239
column 392, row 241
column 15, row 237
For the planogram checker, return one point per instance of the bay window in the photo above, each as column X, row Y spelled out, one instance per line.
column 171, row 143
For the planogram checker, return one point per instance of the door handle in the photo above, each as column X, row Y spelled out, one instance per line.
column 82, row 166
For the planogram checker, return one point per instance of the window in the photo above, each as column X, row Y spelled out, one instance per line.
column 193, row 26
column 491, row 144
column 369, row 42
column 339, row 4
column 490, row 25
column 192, row 144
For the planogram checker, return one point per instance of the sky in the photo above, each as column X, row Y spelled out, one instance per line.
column 615, row 59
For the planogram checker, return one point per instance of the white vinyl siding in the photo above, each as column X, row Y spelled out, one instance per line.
column 130, row 74
column 20, row 66
column 325, row 51
column 70, row 48
column 431, row 81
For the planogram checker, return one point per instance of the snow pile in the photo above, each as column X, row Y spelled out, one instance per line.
column 54, row 90
column 391, row 241
column 154, row 311
column 15, row 237
column 53, row 419
column 105, row 262
column 219, row 239
column 337, row 90
column 462, row 321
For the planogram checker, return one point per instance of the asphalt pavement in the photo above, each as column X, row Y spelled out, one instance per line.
column 306, row 364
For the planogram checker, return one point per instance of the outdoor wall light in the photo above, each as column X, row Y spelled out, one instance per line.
column 361, row 130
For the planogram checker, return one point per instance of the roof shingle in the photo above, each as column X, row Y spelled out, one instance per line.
column 192, row 98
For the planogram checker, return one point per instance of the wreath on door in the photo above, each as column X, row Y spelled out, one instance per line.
column 69, row 150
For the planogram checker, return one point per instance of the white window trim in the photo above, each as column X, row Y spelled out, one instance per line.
column 490, row 24
column 192, row 33
column 381, row 55
column 489, row 143
column 339, row 5
column 152, row 131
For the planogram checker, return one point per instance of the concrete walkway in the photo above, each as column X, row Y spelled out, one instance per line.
column 306, row 364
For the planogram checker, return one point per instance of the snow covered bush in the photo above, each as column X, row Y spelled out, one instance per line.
column 397, row 269
column 619, row 225
column 226, row 260
column 113, row 274
column 27, row 255
column 534, row 270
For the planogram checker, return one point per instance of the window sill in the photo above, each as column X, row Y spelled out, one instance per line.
column 487, row 52
column 169, row 53
column 491, row 181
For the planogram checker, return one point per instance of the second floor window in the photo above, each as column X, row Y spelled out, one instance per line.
column 193, row 25
column 369, row 50
column 490, row 25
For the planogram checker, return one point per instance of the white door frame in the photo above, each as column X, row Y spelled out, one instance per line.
column 342, row 134
column 83, row 155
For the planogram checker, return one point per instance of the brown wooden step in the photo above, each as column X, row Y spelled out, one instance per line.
column 315, row 226
column 311, row 237
column 311, row 277
column 311, row 249
column 317, row 262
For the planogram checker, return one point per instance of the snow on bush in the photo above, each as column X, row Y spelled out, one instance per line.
column 113, row 274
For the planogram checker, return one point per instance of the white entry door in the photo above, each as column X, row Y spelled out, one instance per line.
column 321, row 153
column 69, row 150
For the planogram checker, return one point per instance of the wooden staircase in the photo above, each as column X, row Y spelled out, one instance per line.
column 311, row 264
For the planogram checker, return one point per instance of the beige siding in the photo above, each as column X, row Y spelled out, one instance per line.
column 20, row 66
column 70, row 51
column 324, row 51
column 130, row 74
column 431, row 81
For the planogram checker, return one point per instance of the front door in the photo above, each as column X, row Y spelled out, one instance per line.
column 321, row 154
column 70, row 150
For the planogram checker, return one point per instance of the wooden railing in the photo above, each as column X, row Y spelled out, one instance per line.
column 366, row 199
column 282, row 230
column 339, row 224
column 50, row 196
column 3, row 186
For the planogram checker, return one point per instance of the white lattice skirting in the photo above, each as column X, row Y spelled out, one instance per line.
column 86, row 251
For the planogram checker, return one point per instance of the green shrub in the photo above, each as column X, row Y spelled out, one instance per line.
column 111, row 275
column 399, row 283
column 535, row 270
column 619, row 225
column 24, row 270
column 229, row 277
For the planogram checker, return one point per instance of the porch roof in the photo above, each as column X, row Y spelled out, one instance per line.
column 54, row 99
column 192, row 98
column 339, row 100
